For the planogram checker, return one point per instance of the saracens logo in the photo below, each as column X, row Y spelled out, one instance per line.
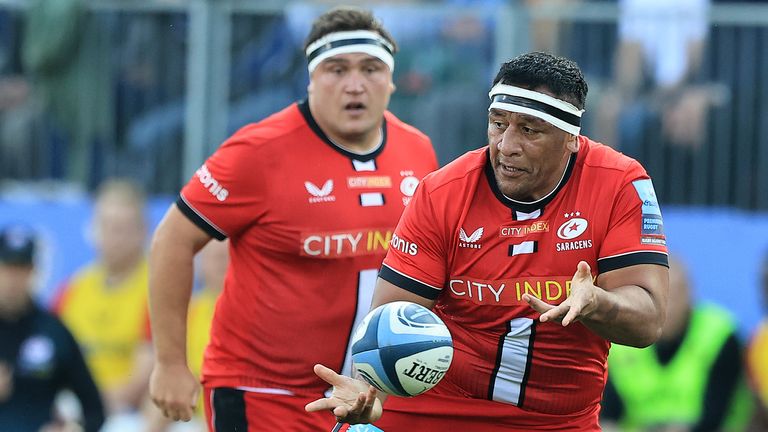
column 470, row 241
column 320, row 194
column 572, row 228
column 408, row 185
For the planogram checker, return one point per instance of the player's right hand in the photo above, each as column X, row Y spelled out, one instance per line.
column 174, row 389
column 352, row 401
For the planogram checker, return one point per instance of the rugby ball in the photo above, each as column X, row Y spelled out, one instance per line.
column 402, row 348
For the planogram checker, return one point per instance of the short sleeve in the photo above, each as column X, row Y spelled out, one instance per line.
column 226, row 194
column 635, row 229
column 416, row 260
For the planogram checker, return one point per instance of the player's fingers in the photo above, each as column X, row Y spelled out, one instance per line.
column 583, row 271
column 572, row 315
column 537, row 304
column 555, row 314
column 323, row 404
column 185, row 415
column 328, row 375
column 341, row 412
column 360, row 411
column 173, row 414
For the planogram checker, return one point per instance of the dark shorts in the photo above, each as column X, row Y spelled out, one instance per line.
column 230, row 410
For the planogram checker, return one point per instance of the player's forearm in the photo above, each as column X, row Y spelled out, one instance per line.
column 627, row 315
column 170, row 287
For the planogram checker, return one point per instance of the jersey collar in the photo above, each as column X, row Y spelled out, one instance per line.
column 522, row 206
column 305, row 112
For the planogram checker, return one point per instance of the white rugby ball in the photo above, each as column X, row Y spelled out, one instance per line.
column 402, row 348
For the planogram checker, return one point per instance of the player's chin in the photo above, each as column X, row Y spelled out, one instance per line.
column 509, row 187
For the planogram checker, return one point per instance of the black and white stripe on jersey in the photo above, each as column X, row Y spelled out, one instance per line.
column 198, row 219
column 408, row 283
column 615, row 262
column 364, row 165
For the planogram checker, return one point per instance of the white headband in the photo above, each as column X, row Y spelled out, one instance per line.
column 559, row 113
column 357, row 41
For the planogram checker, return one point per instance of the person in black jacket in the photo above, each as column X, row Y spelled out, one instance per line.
column 38, row 355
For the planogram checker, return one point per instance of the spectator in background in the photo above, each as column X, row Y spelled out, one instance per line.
column 66, row 52
column 690, row 380
column 17, row 110
column 757, row 361
column 440, row 70
column 38, row 355
column 105, row 302
column 658, row 81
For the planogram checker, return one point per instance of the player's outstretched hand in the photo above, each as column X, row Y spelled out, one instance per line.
column 352, row 401
column 579, row 305
column 174, row 390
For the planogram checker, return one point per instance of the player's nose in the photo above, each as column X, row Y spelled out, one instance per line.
column 509, row 144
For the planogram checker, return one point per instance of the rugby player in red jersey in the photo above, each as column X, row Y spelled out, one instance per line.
column 538, row 251
column 309, row 198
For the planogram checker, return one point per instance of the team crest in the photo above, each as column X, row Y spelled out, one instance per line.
column 572, row 228
column 570, row 231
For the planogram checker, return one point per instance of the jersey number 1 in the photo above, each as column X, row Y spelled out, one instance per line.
column 513, row 362
column 366, row 281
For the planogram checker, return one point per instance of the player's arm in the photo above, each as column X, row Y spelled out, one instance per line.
column 173, row 387
column 625, row 306
column 387, row 292
column 632, row 304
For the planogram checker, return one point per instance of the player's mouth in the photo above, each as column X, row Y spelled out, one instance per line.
column 508, row 170
column 354, row 108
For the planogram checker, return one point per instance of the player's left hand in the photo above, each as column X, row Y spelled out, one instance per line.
column 352, row 401
column 579, row 305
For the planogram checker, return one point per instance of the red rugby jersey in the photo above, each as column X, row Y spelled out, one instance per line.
column 309, row 225
column 462, row 242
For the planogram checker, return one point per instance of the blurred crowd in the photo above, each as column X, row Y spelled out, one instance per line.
column 661, row 76
column 101, row 381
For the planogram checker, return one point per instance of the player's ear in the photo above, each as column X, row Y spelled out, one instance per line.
column 572, row 143
column 392, row 87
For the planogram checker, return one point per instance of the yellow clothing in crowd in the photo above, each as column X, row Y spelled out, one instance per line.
column 109, row 322
column 757, row 359
column 199, row 319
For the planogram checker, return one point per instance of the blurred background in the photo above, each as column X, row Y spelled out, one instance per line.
column 147, row 89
